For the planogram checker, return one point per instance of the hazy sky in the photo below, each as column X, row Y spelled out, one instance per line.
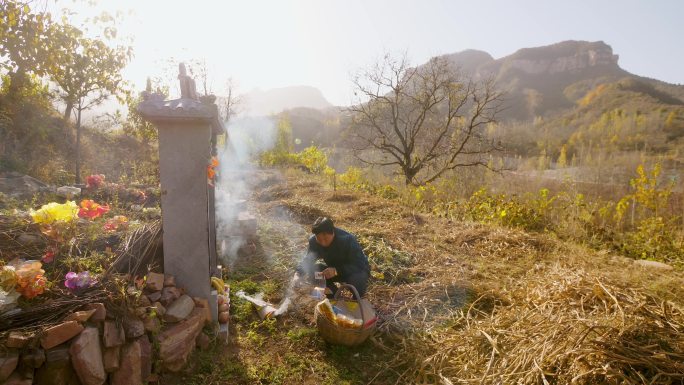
column 267, row 44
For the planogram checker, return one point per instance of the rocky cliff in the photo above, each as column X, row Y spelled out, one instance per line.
column 561, row 57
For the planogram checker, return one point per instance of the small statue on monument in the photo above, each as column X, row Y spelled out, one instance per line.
column 187, row 84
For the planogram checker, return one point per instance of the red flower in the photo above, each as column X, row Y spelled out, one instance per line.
column 116, row 223
column 95, row 181
column 49, row 255
column 91, row 210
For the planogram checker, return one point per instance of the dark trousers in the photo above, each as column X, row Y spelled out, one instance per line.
column 358, row 279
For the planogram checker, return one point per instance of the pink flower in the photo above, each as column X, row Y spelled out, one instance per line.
column 95, row 181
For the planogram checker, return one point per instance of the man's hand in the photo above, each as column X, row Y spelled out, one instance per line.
column 329, row 272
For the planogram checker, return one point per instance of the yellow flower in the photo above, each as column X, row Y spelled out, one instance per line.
column 54, row 211
column 8, row 278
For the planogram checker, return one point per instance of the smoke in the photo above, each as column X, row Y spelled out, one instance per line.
column 249, row 136
column 236, row 226
column 285, row 303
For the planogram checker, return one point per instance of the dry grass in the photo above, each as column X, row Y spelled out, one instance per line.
column 496, row 305
column 133, row 256
column 567, row 327
column 11, row 246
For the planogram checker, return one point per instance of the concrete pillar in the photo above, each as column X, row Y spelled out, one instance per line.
column 187, row 139
column 184, row 152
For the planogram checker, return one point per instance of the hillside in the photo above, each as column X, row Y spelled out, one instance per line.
column 626, row 116
column 573, row 94
column 273, row 101
column 313, row 125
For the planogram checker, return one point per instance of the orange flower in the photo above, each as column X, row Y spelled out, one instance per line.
column 91, row 210
column 30, row 279
column 211, row 173
column 31, row 287
column 116, row 223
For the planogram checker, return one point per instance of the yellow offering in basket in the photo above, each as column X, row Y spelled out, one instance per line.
column 348, row 322
column 325, row 307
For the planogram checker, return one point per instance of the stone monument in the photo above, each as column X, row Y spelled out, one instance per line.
column 188, row 128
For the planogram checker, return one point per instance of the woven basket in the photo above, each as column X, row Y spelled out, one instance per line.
column 338, row 335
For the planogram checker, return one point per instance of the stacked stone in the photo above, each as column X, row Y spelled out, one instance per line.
column 91, row 347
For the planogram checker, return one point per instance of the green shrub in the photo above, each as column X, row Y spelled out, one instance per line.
column 354, row 179
column 653, row 239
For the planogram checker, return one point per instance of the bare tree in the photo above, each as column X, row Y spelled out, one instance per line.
column 200, row 71
column 425, row 120
column 231, row 104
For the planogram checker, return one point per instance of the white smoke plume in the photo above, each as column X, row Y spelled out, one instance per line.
column 247, row 137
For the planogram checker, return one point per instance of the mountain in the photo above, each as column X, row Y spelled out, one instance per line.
column 535, row 78
column 570, row 97
column 470, row 60
column 546, row 80
column 273, row 101
column 573, row 97
column 313, row 125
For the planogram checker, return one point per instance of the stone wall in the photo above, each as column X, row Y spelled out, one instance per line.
column 92, row 347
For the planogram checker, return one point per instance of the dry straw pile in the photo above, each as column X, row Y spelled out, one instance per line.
column 565, row 326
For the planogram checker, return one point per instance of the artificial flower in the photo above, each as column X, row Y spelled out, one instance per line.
column 32, row 287
column 30, row 279
column 8, row 278
column 211, row 172
column 95, row 181
column 49, row 255
column 91, row 210
column 79, row 281
column 8, row 300
column 27, row 269
column 54, row 211
column 116, row 223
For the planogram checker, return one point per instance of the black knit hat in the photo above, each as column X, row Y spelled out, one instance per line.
column 323, row 225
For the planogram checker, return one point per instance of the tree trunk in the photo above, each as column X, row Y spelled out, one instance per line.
column 78, row 146
column 17, row 82
column 409, row 175
column 67, row 111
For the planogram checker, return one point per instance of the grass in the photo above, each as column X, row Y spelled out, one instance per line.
column 459, row 301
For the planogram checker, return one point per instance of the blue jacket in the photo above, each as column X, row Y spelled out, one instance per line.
column 344, row 254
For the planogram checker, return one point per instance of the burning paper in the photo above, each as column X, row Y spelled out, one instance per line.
column 265, row 309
